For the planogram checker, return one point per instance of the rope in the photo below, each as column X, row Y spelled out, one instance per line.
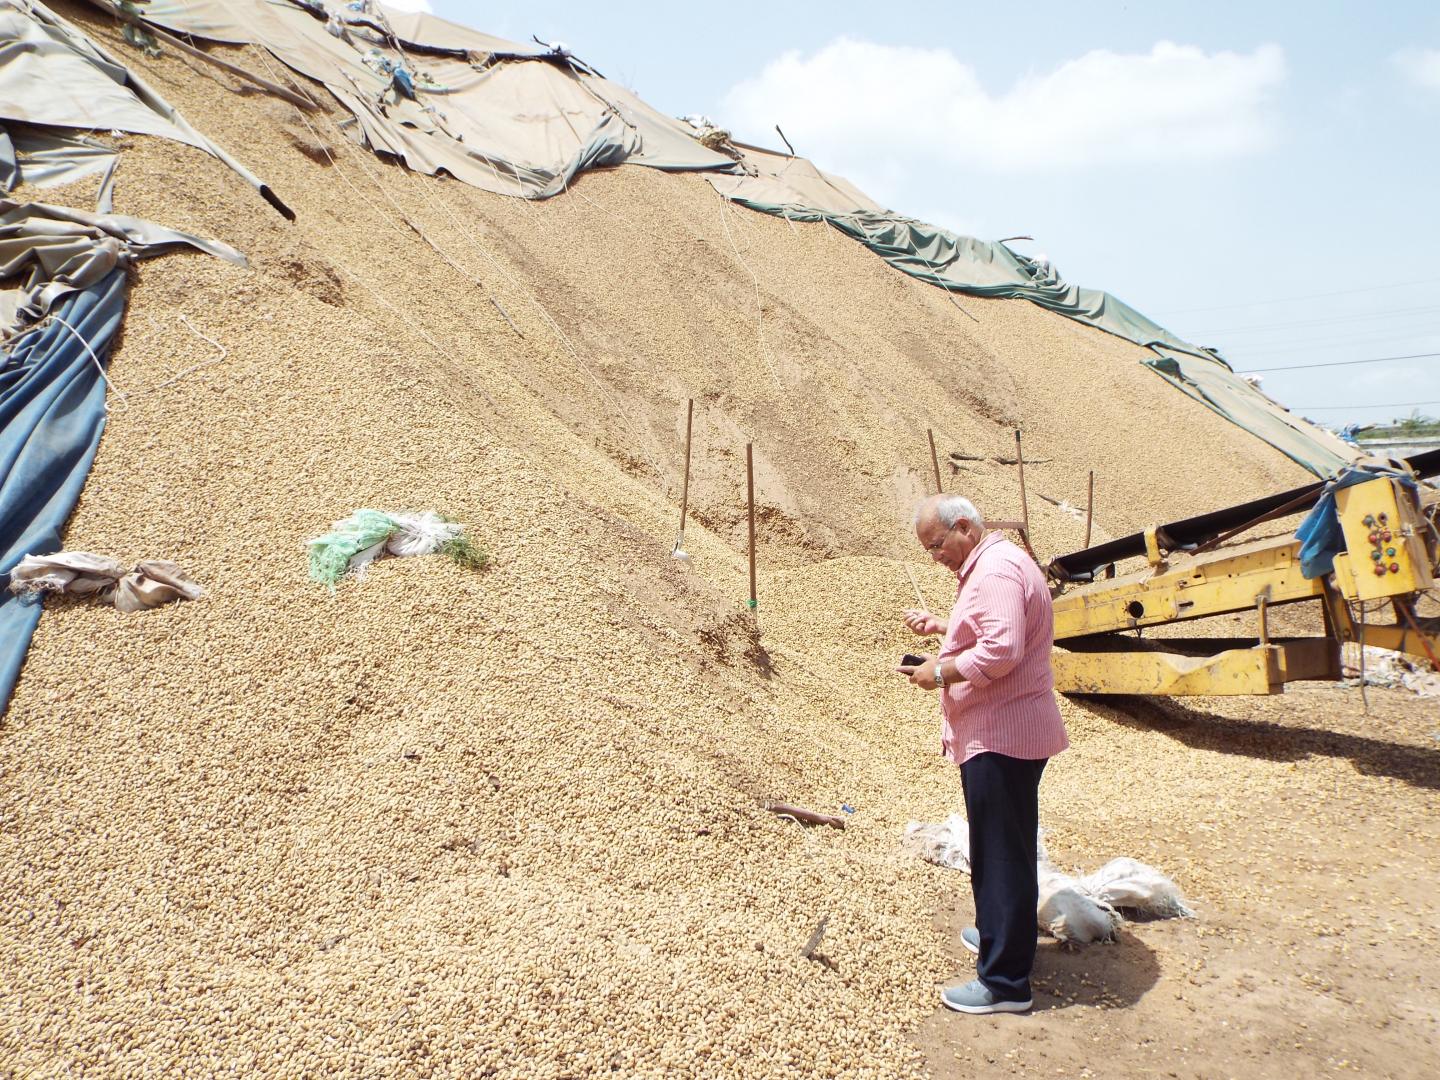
column 190, row 370
column 404, row 317
column 545, row 314
column 120, row 395
column 934, row 270
column 560, row 334
column 614, row 214
column 759, row 303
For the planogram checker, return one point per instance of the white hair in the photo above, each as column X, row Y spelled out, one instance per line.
column 951, row 508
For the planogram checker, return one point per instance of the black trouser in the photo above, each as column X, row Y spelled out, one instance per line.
column 1002, row 803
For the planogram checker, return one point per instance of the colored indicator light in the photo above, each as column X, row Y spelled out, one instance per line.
column 1390, row 552
column 1384, row 518
column 1379, row 569
column 1369, row 519
column 1386, row 536
column 1375, row 555
column 1394, row 568
column 1374, row 538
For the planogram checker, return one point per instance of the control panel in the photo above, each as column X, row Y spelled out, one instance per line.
column 1387, row 553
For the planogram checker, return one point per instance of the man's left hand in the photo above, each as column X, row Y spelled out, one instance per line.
column 922, row 676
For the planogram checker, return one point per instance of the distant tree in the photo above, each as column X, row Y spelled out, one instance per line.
column 1416, row 421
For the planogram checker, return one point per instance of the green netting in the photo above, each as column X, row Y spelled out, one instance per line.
column 330, row 554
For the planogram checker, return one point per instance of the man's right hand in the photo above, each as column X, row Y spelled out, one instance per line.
column 923, row 623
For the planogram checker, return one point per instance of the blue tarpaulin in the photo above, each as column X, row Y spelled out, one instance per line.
column 52, row 410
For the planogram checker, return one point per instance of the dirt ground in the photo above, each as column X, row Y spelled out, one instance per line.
column 1311, row 951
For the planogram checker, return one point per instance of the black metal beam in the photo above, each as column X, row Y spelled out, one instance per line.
column 1190, row 533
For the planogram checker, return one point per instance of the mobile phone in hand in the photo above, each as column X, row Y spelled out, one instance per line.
column 911, row 660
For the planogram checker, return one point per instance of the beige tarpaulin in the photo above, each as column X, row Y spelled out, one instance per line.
column 795, row 183
column 48, row 157
column 52, row 74
column 54, row 250
column 80, row 573
column 509, row 118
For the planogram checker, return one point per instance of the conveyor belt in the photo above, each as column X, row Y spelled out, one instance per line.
column 1192, row 532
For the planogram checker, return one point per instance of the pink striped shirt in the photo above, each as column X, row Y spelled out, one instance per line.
column 1001, row 629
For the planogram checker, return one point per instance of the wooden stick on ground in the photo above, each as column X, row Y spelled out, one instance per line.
column 503, row 313
column 805, row 817
column 1089, row 507
column 750, row 490
column 685, row 484
column 815, row 935
column 935, row 461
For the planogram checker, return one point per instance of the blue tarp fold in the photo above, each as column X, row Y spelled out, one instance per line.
column 52, row 410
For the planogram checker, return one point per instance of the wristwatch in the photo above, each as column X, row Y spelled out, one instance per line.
column 939, row 673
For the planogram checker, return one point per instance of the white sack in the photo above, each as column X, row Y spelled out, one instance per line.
column 1134, row 886
column 1066, row 911
column 421, row 534
column 1084, row 909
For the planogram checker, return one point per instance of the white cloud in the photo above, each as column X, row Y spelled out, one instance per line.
column 1420, row 66
column 854, row 101
column 409, row 5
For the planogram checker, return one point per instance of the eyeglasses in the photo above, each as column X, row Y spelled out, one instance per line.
column 941, row 542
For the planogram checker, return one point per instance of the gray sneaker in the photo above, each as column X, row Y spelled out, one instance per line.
column 970, row 938
column 974, row 997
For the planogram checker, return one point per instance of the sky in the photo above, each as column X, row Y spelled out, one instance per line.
column 1262, row 178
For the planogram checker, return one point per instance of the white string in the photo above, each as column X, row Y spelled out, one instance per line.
column 224, row 352
column 759, row 303
column 404, row 317
column 607, row 210
column 934, row 270
column 559, row 333
column 119, row 394
column 615, row 403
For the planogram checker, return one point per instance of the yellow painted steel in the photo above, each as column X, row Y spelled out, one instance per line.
column 1389, row 554
column 1210, row 584
column 1234, row 672
column 1399, row 639
column 1152, row 546
column 1259, row 669
column 1385, row 549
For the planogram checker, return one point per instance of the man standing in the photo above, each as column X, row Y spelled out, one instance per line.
column 1001, row 724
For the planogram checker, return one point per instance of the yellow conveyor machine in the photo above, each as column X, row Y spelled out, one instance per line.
column 1391, row 558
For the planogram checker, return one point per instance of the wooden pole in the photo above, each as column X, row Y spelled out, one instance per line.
column 935, row 461
column 685, row 487
column 750, row 490
column 1089, row 506
column 918, row 594
column 1024, row 506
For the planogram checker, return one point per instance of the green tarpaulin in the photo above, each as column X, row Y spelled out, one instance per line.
column 795, row 189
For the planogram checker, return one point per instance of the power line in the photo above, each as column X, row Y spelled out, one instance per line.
column 1425, row 338
column 1343, row 363
column 1380, row 405
column 1361, row 317
column 1307, row 296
